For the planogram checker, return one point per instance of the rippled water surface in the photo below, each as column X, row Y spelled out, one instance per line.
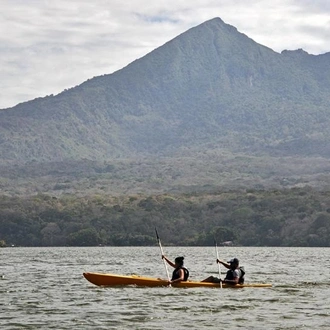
column 43, row 288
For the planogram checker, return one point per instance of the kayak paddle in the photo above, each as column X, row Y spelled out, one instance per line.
column 217, row 256
column 162, row 252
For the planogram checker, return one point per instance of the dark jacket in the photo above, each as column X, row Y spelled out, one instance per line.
column 230, row 275
column 176, row 273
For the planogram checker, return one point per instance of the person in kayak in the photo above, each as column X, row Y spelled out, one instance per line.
column 180, row 273
column 235, row 274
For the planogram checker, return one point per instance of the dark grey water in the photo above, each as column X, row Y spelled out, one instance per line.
column 43, row 288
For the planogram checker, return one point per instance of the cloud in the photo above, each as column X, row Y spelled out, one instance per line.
column 47, row 46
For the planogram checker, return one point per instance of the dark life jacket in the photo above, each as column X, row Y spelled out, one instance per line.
column 176, row 273
column 230, row 275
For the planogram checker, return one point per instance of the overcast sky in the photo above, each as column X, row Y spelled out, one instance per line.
column 49, row 45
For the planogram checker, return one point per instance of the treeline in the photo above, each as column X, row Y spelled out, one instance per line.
column 291, row 217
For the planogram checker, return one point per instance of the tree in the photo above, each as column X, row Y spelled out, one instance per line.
column 85, row 237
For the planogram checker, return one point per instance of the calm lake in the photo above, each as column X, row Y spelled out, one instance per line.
column 43, row 288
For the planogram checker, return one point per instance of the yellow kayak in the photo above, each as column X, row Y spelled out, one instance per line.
column 117, row 280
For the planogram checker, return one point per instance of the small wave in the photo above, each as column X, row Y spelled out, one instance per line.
column 319, row 284
column 299, row 285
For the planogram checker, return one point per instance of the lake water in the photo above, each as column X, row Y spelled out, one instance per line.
column 43, row 288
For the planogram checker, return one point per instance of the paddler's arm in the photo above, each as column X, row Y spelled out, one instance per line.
column 223, row 263
column 168, row 261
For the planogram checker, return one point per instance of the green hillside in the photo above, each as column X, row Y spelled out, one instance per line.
column 288, row 217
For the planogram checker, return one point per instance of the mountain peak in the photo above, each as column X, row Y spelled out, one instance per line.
column 216, row 23
column 215, row 20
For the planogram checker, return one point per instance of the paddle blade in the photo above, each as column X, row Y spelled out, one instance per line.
column 215, row 242
column 157, row 234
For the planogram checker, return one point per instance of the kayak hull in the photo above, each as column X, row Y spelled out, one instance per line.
column 101, row 279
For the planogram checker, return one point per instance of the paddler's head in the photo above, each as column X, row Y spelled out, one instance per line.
column 234, row 263
column 179, row 261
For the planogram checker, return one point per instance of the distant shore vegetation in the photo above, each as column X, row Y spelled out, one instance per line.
column 286, row 217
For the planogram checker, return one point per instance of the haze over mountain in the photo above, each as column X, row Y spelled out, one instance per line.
column 211, row 89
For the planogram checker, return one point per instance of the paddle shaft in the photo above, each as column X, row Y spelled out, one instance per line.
column 217, row 255
column 162, row 252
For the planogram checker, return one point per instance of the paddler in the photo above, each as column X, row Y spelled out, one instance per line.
column 180, row 273
column 235, row 274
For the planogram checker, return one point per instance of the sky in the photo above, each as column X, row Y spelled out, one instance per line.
column 47, row 46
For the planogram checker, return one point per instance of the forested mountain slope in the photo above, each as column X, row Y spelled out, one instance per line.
column 209, row 88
